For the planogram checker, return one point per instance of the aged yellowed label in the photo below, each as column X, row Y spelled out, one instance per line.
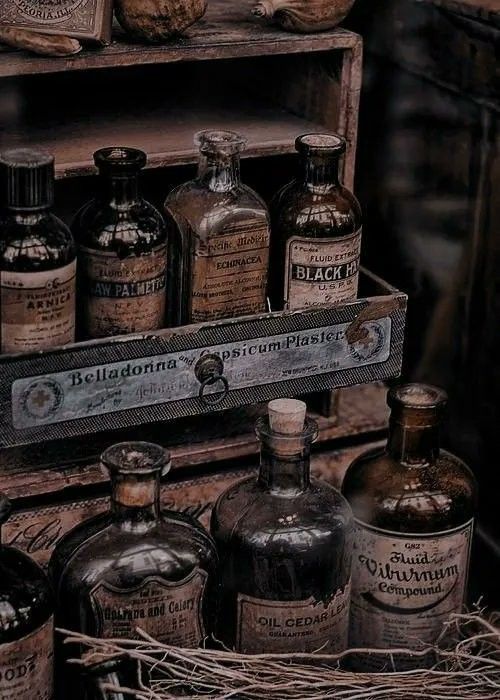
column 293, row 626
column 37, row 309
column 321, row 270
column 27, row 666
column 168, row 611
column 230, row 273
column 404, row 587
column 123, row 295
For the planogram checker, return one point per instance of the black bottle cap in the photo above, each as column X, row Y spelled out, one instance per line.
column 417, row 405
column 27, row 179
column 5, row 508
column 119, row 159
column 327, row 144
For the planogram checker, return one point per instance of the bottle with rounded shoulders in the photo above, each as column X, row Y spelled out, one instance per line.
column 284, row 543
column 316, row 231
column 122, row 243
column 137, row 566
column 414, row 507
column 37, row 257
column 26, row 625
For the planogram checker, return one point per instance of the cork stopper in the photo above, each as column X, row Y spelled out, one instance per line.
column 328, row 144
column 287, row 416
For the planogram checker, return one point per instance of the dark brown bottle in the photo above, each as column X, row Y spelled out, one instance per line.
column 122, row 251
column 414, row 506
column 284, row 543
column 37, row 257
column 26, row 625
column 316, row 231
column 136, row 566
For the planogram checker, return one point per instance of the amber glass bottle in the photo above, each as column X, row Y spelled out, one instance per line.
column 122, row 251
column 218, row 237
column 135, row 566
column 284, row 543
column 37, row 257
column 26, row 625
column 316, row 231
column 414, row 507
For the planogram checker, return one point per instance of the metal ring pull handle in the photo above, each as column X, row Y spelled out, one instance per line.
column 209, row 371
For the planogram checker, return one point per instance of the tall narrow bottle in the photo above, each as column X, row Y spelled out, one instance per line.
column 284, row 543
column 37, row 257
column 414, row 507
column 316, row 225
column 219, row 237
column 136, row 566
column 122, row 251
column 26, row 625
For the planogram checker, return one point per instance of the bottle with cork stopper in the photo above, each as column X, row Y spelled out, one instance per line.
column 136, row 566
column 284, row 544
column 37, row 257
column 414, row 505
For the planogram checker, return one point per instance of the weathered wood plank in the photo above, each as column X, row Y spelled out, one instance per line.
column 228, row 30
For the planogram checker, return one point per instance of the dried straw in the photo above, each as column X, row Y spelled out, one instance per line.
column 467, row 668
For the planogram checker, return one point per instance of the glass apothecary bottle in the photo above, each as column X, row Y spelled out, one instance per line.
column 37, row 257
column 284, row 543
column 122, row 244
column 316, row 225
column 26, row 625
column 136, row 566
column 218, row 237
column 414, row 506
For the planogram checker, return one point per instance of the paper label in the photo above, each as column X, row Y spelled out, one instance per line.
column 272, row 626
column 37, row 309
column 230, row 273
column 404, row 587
column 321, row 270
column 27, row 666
column 169, row 611
column 123, row 295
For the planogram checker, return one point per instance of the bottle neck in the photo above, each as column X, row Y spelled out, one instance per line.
column 120, row 192
column 135, row 500
column 413, row 446
column 320, row 172
column 219, row 172
column 286, row 473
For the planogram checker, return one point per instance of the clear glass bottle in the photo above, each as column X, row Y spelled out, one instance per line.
column 219, row 237
column 284, row 543
column 414, row 506
column 37, row 257
column 122, row 243
column 316, row 225
column 136, row 566
column 26, row 625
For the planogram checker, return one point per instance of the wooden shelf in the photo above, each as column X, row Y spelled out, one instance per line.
column 228, row 30
column 165, row 134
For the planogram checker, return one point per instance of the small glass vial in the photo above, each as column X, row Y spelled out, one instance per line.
column 26, row 625
column 284, row 543
column 136, row 566
column 316, row 225
column 122, row 251
column 37, row 257
column 219, row 238
column 414, row 506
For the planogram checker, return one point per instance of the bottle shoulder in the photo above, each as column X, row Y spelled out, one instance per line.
column 133, row 229
column 35, row 243
column 172, row 548
column 386, row 493
column 251, row 513
column 25, row 594
column 316, row 213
